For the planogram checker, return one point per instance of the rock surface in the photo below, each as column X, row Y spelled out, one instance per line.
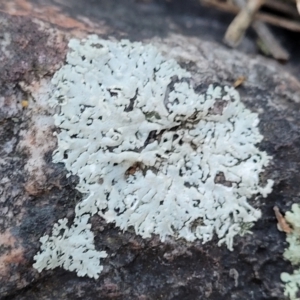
column 35, row 193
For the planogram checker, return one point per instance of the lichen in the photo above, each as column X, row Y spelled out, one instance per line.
column 292, row 253
column 149, row 151
column 71, row 248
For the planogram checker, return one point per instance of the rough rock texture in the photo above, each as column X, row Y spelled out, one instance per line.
column 34, row 192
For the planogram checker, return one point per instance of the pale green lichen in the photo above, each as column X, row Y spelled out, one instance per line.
column 292, row 281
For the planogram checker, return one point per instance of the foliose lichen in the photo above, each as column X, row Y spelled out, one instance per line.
column 149, row 151
column 292, row 253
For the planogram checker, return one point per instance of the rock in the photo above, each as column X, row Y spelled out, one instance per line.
column 35, row 193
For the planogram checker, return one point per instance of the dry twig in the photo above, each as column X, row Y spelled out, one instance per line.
column 264, row 17
column 298, row 5
column 270, row 42
column 282, row 7
column 282, row 223
column 242, row 21
column 239, row 81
